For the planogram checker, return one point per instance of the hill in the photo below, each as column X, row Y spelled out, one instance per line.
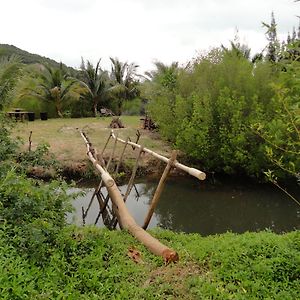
column 30, row 58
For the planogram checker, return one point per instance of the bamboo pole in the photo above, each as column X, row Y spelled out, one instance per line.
column 125, row 219
column 131, row 180
column 112, row 154
column 192, row 171
column 159, row 189
column 121, row 157
column 130, row 183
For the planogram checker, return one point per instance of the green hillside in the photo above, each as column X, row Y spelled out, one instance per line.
column 29, row 58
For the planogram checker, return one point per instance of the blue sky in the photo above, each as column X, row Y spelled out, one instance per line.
column 139, row 31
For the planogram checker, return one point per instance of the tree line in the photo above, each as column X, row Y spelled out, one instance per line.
column 231, row 112
column 228, row 111
column 42, row 87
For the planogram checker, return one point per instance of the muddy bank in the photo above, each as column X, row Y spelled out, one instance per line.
column 148, row 166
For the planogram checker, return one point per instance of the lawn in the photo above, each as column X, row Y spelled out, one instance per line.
column 66, row 143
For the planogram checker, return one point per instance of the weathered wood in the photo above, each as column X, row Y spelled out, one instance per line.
column 112, row 154
column 192, row 171
column 105, row 215
column 159, row 190
column 29, row 141
column 126, row 221
column 121, row 157
column 131, row 181
column 107, row 141
column 97, row 189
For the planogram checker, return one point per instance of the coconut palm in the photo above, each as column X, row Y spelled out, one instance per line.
column 165, row 75
column 95, row 81
column 123, row 81
column 10, row 68
column 55, row 87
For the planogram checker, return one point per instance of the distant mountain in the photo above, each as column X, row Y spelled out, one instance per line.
column 30, row 58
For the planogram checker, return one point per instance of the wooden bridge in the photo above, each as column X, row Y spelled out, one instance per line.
column 112, row 207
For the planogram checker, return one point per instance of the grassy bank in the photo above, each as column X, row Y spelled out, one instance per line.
column 92, row 263
column 68, row 146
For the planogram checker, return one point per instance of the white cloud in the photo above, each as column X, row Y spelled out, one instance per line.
column 137, row 30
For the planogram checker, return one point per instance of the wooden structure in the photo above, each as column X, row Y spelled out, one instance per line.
column 18, row 114
column 112, row 207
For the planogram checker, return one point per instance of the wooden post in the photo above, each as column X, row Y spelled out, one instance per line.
column 112, row 154
column 131, row 180
column 121, row 157
column 30, row 141
column 105, row 145
column 130, row 183
column 159, row 189
column 97, row 189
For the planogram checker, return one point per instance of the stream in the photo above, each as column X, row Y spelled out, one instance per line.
column 191, row 206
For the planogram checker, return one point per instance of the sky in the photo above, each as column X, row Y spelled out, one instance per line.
column 139, row 31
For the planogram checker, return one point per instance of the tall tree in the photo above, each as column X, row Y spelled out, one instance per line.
column 55, row 87
column 273, row 47
column 165, row 75
column 124, row 85
column 95, row 81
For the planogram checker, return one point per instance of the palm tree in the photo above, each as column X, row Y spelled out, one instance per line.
column 10, row 68
column 123, row 81
column 165, row 75
column 55, row 87
column 95, row 81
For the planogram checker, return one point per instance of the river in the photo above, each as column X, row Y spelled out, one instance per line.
column 191, row 206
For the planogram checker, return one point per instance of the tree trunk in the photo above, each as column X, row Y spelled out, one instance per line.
column 95, row 109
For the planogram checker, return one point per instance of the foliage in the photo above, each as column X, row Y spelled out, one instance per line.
column 231, row 114
column 92, row 263
column 32, row 212
column 124, row 85
column 209, row 113
column 273, row 48
column 56, row 87
column 40, row 157
column 95, row 80
column 10, row 69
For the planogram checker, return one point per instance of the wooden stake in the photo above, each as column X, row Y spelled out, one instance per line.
column 112, row 154
column 105, row 144
column 131, row 180
column 159, row 189
column 30, row 141
column 121, row 157
column 92, row 199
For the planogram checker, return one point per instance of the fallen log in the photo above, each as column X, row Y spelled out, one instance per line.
column 125, row 220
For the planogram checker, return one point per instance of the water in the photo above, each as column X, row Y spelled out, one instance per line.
column 190, row 206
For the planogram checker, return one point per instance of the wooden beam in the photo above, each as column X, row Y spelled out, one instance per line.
column 192, row 171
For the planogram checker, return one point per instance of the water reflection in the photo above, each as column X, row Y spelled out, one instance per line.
column 186, row 205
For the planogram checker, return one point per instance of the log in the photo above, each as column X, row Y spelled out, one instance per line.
column 192, row 171
column 126, row 221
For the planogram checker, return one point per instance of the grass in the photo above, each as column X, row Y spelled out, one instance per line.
column 68, row 146
column 93, row 263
